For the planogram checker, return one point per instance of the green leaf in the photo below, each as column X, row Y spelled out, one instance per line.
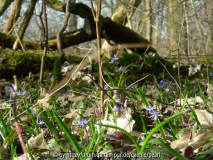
column 67, row 132
column 143, row 98
column 173, row 152
column 48, row 123
column 156, row 128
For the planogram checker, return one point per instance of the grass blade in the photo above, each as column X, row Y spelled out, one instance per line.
column 67, row 132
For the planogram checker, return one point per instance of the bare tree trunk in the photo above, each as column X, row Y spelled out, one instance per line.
column 198, row 24
column 175, row 18
column 148, row 21
column 98, row 34
column 210, row 26
column 120, row 16
column 187, row 48
column 45, row 43
column 13, row 15
column 59, row 44
column 73, row 26
column 4, row 4
column 25, row 23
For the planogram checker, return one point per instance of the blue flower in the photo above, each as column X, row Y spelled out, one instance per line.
column 118, row 69
column 189, row 108
column 163, row 83
column 155, row 114
column 40, row 122
column 11, row 90
column 211, row 74
column 150, row 108
column 83, row 123
column 20, row 94
column 114, row 59
column 52, row 78
column 125, row 103
column 118, row 109
column 135, row 85
column 175, row 112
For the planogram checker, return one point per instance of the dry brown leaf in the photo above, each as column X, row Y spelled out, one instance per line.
column 205, row 118
column 45, row 101
column 202, row 137
column 68, row 117
column 37, row 142
column 182, row 142
column 76, row 98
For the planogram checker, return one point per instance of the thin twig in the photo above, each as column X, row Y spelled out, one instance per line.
column 169, row 73
column 178, row 60
column 16, row 120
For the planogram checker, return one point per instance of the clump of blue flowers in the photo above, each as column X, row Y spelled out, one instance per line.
column 114, row 59
column 163, row 83
column 11, row 90
column 153, row 111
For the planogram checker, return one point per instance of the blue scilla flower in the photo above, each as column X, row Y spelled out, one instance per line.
column 155, row 114
column 12, row 89
column 163, row 83
column 83, row 123
column 150, row 108
column 117, row 109
column 114, row 59
column 211, row 74
column 118, row 69
column 40, row 122
column 125, row 103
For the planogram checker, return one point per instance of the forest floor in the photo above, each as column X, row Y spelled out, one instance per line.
column 148, row 113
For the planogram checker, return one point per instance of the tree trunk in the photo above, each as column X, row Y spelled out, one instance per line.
column 25, row 23
column 73, row 26
column 148, row 21
column 4, row 4
column 61, row 30
column 13, row 16
column 120, row 16
column 175, row 21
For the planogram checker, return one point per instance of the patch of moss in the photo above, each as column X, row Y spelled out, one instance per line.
column 21, row 63
column 57, row 71
column 74, row 59
column 205, row 60
column 143, row 65
column 58, row 2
